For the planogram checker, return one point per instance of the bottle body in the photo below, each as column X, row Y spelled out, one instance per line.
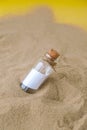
column 37, row 76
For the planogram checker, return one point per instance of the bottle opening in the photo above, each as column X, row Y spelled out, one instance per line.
column 52, row 54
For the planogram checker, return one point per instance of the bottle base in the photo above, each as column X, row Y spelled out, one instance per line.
column 27, row 89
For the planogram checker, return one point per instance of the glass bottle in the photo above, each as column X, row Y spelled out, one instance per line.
column 40, row 72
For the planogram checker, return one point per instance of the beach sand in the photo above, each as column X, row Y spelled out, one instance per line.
column 61, row 102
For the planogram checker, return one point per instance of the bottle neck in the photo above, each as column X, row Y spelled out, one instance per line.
column 50, row 60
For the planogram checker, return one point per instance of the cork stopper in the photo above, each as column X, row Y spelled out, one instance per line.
column 53, row 54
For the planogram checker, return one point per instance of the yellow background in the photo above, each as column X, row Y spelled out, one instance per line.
column 65, row 11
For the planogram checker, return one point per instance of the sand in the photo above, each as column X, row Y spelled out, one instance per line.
column 61, row 102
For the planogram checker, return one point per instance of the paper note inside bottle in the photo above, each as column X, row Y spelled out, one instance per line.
column 34, row 79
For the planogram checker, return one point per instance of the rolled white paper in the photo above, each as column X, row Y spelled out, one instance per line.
column 34, row 79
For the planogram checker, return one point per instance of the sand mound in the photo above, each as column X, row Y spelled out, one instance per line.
column 61, row 103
